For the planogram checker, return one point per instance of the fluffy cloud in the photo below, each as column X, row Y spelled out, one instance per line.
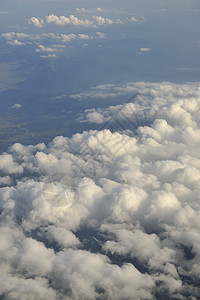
column 16, row 43
column 102, row 21
column 42, row 48
column 134, row 20
column 94, row 22
column 8, row 35
column 62, row 21
column 100, row 35
column 83, row 36
column 8, row 165
column 95, row 117
column 49, row 50
column 36, row 22
column 20, row 39
column 107, row 214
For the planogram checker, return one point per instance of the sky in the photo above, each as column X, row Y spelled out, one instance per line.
column 99, row 149
column 51, row 50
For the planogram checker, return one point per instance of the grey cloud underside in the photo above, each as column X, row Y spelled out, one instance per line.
column 107, row 215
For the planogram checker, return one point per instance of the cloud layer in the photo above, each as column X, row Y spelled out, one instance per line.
column 93, row 22
column 71, row 20
column 23, row 39
column 107, row 214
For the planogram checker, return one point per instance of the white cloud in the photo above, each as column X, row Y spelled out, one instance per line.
column 104, row 213
column 8, row 35
column 15, row 43
column 67, row 37
column 36, row 22
column 42, row 48
column 80, row 9
column 114, row 281
column 62, row 21
column 134, row 20
column 13, row 38
column 21, row 35
column 102, row 21
column 63, row 237
column 94, row 22
column 21, row 39
column 101, row 35
column 95, row 117
column 8, row 165
column 59, row 46
column 83, row 36
column 48, row 56
column 145, row 49
column 17, row 105
column 89, row 11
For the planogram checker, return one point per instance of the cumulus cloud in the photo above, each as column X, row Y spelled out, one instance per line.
column 134, row 20
column 8, row 35
column 5, row 180
column 62, row 21
column 15, row 43
column 50, row 50
column 8, row 165
column 152, row 90
column 102, row 21
column 42, row 48
column 83, row 36
column 11, row 36
column 107, row 214
column 21, row 39
column 101, row 35
column 36, row 22
column 95, row 117
column 68, row 37
column 73, row 20
column 16, row 39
